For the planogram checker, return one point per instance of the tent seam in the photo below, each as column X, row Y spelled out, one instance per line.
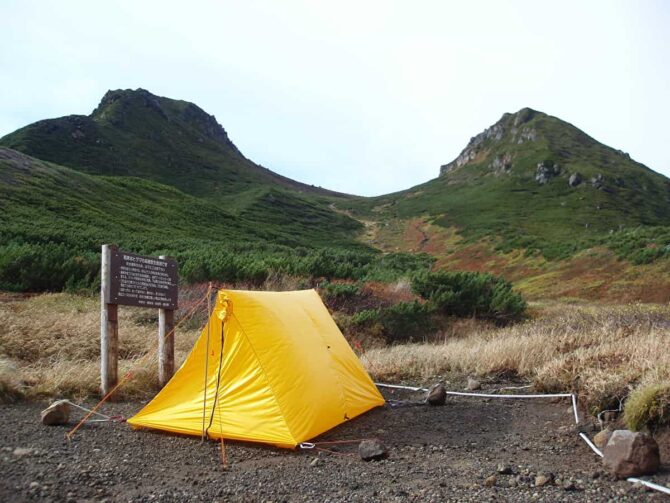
column 336, row 374
column 274, row 395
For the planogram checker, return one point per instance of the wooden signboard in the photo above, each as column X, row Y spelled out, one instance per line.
column 135, row 280
column 142, row 281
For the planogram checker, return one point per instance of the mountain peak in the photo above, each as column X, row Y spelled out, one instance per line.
column 133, row 132
column 133, row 109
column 512, row 128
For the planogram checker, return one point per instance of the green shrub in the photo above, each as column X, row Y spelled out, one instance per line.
column 49, row 266
column 402, row 322
column 470, row 294
column 332, row 291
column 648, row 406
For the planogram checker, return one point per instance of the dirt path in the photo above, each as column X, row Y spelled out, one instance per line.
column 436, row 454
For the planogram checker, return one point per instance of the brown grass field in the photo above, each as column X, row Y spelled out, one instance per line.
column 608, row 354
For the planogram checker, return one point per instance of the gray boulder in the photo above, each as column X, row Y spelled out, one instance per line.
column 546, row 170
column 502, row 163
column 372, row 450
column 575, row 179
column 631, row 454
column 56, row 413
column 437, row 395
column 597, row 181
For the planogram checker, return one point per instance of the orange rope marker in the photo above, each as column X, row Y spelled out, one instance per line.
column 130, row 374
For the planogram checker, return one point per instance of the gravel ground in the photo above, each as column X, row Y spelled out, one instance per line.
column 435, row 454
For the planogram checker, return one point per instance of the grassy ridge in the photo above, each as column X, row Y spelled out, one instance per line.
column 53, row 220
column 494, row 190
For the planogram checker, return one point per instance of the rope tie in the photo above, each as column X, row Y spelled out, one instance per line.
column 315, row 446
column 129, row 375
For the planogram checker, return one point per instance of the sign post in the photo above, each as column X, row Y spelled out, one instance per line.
column 135, row 280
column 109, row 326
column 165, row 342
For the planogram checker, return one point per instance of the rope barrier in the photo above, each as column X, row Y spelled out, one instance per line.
column 490, row 395
column 573, row 398
column 651, row 485
column 397, row 386
column 591, row 444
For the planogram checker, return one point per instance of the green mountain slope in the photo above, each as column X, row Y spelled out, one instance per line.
column 157, row 175
column 536, row 182
column 135, row 133
column 53, row 220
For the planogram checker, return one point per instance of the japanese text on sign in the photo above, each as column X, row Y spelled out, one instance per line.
column 136, row 280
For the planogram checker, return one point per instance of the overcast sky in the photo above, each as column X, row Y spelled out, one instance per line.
column 358, row 96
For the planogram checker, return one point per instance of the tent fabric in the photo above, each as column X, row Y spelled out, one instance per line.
column 279, row 371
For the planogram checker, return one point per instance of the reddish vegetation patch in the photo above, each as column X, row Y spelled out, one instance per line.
column 414, row 236
column 391, row 293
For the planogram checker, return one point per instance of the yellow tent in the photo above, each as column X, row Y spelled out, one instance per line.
column 284, row 375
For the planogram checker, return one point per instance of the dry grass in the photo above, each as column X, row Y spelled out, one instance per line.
column 602, row 352
column 50, row 346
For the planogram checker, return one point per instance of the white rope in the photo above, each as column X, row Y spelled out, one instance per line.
column 396, row 386
column 487, row 395
column 574, row 408
column 107, row 418
column 635, row 480
column 591, row 444
column 572, row 396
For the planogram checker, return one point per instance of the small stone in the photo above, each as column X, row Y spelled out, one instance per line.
column 490, row 481
column 544, row 479
column 22, row 451
column 372, row 450
column 437, row 395
column 56, row 413
column 631, row 454
column 568, row 485
column 504, row 469
column 473, row 384
column 34, row 485
column 314, row 462
column 512, row 482
column 600, row 439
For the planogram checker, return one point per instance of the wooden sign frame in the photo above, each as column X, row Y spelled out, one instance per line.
column 130, row 279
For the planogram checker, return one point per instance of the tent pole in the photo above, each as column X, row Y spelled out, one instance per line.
column 204, row 398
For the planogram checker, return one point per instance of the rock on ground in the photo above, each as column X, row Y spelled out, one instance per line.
column 473, row 384
column 601, row 438
column 543, row 479
column 56, row 413
column 631, row 454
column 437, row 395
column 372, row 450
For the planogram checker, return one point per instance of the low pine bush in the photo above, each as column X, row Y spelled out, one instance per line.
column 401, row 322
column 475, row 294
